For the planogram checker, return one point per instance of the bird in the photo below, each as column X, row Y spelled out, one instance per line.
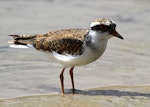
column 71, row 47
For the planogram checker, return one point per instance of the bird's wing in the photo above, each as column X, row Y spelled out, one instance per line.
column 68, row 41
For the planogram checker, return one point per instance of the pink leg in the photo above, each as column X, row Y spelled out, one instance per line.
column 62, row 80
column 72, row 80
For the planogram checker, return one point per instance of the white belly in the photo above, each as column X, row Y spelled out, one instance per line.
column 87, row 57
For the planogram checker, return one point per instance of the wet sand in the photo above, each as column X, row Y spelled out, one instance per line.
column 30, row 73
column 116, row 96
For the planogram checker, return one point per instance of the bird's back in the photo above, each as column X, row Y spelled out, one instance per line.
column 67, row 41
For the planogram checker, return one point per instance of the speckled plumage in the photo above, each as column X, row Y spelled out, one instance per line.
column 69, row 41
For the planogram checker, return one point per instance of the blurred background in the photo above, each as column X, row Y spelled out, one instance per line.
column 28, row 72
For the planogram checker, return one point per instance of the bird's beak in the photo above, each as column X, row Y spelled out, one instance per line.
column 116, row 34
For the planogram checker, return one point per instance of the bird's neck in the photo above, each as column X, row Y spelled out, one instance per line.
column 96, row 42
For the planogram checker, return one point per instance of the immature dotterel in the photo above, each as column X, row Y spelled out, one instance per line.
column 71, row 47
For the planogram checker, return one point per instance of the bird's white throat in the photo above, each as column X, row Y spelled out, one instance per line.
column 98, row 41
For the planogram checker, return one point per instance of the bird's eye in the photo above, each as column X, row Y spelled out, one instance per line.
column 104, row 27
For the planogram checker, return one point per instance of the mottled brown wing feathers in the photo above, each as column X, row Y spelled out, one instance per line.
column 63, row 42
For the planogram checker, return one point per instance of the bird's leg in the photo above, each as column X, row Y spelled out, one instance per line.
column 62, row 80
column 72, row 81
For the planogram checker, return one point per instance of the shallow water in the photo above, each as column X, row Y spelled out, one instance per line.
column 26, row 72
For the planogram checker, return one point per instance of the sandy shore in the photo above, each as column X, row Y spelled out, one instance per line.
column 124, row 63
column 116, row 96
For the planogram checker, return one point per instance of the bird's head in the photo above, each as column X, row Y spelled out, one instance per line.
column 106, row 27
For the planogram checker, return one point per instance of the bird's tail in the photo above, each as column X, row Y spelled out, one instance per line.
column 22, row 41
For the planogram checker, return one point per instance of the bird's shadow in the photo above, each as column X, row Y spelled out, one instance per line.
column 109, row 92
